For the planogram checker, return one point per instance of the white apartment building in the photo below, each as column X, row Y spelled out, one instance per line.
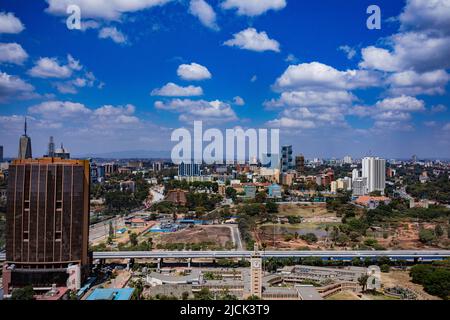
column 355, row 174
column 374, row 170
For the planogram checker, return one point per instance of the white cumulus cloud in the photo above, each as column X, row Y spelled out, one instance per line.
column 204, row 12
column 14, row 87
column 103, row 9
column 251, row 39
column 238, row 101
column 9, row 23
column 193, row 71
column 321, row 77
column 253, row 7
column 190, row 110
column 173, row 90
column 113, row 34
column 12, row 53
column 50, row 68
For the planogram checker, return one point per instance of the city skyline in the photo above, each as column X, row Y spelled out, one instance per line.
column 378, row 91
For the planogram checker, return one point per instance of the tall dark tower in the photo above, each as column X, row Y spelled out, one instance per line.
column 25, row 145
column 51, row 148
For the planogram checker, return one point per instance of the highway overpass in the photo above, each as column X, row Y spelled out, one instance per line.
column 338, row 255
column 427, row 255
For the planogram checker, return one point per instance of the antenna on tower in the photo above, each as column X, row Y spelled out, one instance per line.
column 25, row 126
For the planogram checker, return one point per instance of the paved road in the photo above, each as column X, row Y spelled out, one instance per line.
column 235, row 236
column 101, row 230
column 402, row 192
column 157, row 193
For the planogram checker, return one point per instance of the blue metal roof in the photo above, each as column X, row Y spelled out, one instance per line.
column 111, row 294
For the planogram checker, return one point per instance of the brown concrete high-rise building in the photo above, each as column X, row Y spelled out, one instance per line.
column 300, row 164
column 47, row 223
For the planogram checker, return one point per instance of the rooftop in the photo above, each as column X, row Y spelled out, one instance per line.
column 111, row 294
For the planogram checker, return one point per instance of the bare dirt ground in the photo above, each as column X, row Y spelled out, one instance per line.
column 329, row 218
column 278, row 241
column 406, row 237
column 302, row 210
column 199, row 234
column 344, row 295
column 402, row 278
column 125, row 237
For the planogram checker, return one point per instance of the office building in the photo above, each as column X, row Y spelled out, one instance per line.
column 374, row 170
column 287, row 179
column 1, row 154
column 287, row 162
column 334, row 186
column 275, row 191
column 272, row 175
column 25, row 145
column 51, row 148
column 300, row 164
column 348, row 183
column 348, row 160
column 250, row 191
column 62, row 153
column 111, row 168
column 359, row 187
column 355, row 174
column 157, row 166
column 135, row 164
column 177, row 197
column 47, row 224
column 189, row 169
column 129, row 186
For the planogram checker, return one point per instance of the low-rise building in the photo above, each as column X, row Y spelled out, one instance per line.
column 372, row 202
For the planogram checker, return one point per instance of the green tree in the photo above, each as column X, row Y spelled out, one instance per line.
column 271, row 207
column 427, row 236
column 133, row 239
column 385, row 268
column 435, row 278
column 362, row 280
column 185, row 295
column 231, row 193
column 25, row 293
column 150, row 244
column 438, row 231
column 260, row 197
column 111, row 230
column 342, row 239
column 226, row 295
column 309, row 237
column 204, row 294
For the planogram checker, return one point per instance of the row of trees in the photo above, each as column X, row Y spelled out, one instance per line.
column 434, row 190
column 435, row 278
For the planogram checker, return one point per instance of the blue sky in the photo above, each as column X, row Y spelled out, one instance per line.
column 314, row 70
